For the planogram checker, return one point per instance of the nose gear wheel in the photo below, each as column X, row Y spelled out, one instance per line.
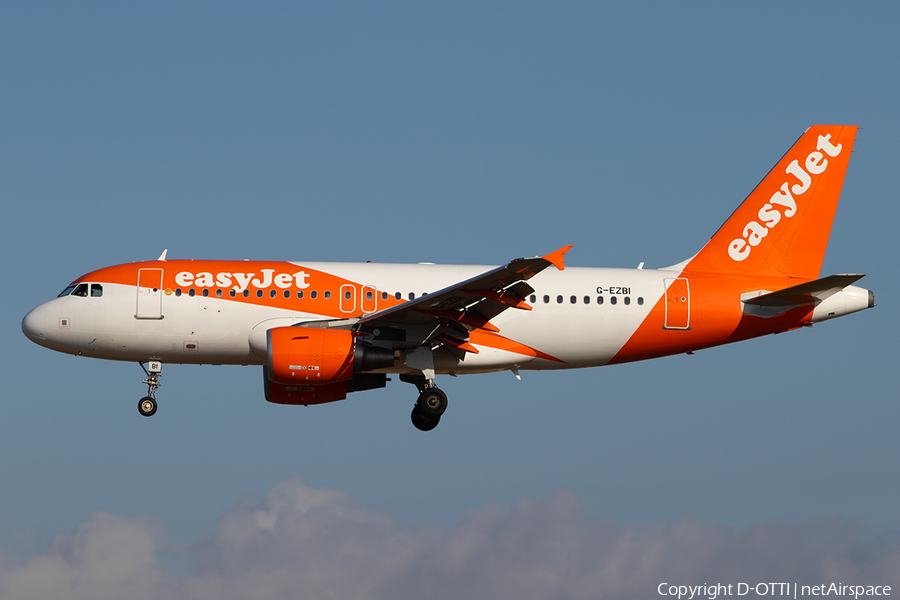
column 147, row 406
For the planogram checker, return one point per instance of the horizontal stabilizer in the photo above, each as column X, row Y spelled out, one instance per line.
column 820, row 289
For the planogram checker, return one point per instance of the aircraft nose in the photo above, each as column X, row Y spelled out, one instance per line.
column 34, row 325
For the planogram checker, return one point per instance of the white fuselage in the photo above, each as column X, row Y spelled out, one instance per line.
column 581, row 316
column 208, row 329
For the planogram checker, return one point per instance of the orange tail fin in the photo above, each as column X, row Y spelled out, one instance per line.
column 782, row 227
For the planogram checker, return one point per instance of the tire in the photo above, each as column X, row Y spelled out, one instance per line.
column 147, row 406
column 421, row 422
column 432, row 403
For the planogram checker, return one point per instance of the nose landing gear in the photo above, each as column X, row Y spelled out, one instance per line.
column 147, row 405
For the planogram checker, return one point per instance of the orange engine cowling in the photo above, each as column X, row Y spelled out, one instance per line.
column 310, row 356
column 316, row 356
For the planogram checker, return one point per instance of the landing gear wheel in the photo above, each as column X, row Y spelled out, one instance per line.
column 432, row 403
column 421, row 422
column 147, row 406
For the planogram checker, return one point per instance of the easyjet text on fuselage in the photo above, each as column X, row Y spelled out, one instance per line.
column 242, row 281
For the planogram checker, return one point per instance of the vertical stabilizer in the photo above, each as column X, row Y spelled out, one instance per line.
column 782, row 228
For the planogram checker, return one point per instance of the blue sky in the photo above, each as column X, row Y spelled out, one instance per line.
column 464, row 133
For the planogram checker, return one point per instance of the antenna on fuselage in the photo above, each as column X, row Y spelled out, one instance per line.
column 163, row 255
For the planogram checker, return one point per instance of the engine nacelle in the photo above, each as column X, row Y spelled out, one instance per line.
column 316, row 356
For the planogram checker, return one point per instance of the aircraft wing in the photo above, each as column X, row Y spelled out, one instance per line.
column 469, row 304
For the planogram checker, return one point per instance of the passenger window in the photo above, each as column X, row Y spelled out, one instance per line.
column 559, row 299
column 612, row 299
column 232, row 292
column 587, row 299
column 347, row 295
column 412, row 295
column 81, row 290
column 640, row 301
column 205, row 292
column 398, row 296
column 246, row 293
column 384, row 295
column 368, row 295
column 546, row 299
column 532, row 298
column 219, row 293
column 66, row 291
column 327, row 294
column 287, row 294
column 627, row 300
column 259, row 293
column 96, row 290
column 272, row 294
column 299, row 294
column 599, row 299
column 573, row 299
column 192, row 292
column 177, row 292
column 313, row 294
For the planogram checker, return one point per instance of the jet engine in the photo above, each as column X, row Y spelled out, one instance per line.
column 310, row 356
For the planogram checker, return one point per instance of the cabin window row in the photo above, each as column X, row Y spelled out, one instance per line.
column 287, row 294
column 246, row 293
column 96, row 290
column 560, row 299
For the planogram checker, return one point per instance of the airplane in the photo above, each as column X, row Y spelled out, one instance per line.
column 324, row 330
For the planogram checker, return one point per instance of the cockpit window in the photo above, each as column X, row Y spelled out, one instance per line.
column 81, row 290
column 66, row 291
column 96, row 290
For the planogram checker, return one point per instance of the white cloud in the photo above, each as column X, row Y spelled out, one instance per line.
column 107, row 557
column 301, row 542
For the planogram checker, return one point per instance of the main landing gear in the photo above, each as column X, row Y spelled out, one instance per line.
column 431, row 404
column 147, row 405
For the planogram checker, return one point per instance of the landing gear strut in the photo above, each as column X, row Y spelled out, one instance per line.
column 147, row 405
column 431, row 404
